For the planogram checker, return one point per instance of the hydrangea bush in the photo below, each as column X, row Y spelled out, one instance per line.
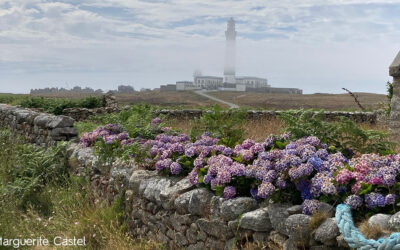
column 304, row 171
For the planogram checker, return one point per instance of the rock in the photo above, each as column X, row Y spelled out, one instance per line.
column 154, row 187
column 294, row 210
column 60, row 121
column 297, row 227
column 198, row 246
column 276, row 240
column 260, row 237
column 214, row 228
column 63, row 132
column 257, row 220
column 381, row 220
column 278, row 215
column 137, row 177
column 42, row 119
column 289, row 245
column 168, row 195
column 326, row 208
column 181, row 203
column 327, row 231
column 215, row 207
column 231, row 244
column 199, row 203
column 394, row 221
column 232, row 209
column 234, row 225
column 214, row 244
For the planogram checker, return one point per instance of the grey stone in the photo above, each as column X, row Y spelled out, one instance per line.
column 277, row 240
column 327, row 231
column 214, row 244
column 181, row 203
column 232, row 209
column 60, row 121
column 42, row 119
column 234, row 225
column 326, row 208
column 278, row 215
column 214, row 228
column 215, row 207
column 394, row 221
column 199, row 203
column 154, row 187
column 297, row 227
column 64, row 132
column 294, row 210
column 231, row 244
column 138, row 176
column 257, row 220
column 168, row 195
column 381, row 220
column 198, row 246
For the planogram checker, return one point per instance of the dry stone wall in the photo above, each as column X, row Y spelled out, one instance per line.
column 173, row 211
column 38, row 128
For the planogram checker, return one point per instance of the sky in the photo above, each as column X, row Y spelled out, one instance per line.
column 315, row 45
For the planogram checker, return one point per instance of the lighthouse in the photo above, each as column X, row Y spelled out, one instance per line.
column 230, row 53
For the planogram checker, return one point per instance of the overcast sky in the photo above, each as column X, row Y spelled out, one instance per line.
column 315, row 45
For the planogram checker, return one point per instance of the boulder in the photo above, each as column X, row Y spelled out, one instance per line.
column 297, row 209
column 153, row 187
column 277, row 215
column 298, row 229
column 327, row 231
column 214, row 228
column 257, row 220
column 199, row 203
column 232, row 209
column 168, row 195
column 382, row 220
column 181, row 203
column 60, row 121
column 138, row 176
column 394, row 221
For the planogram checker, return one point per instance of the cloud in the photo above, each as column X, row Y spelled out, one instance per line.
column 304, row 43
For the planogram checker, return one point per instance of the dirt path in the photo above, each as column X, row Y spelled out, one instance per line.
column 204, row 93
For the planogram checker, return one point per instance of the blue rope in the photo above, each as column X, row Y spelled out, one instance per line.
column 355, row 239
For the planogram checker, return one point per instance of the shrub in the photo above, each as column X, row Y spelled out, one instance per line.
column 27, row 169
column 344, row 134
column 224, row 125
column 56, row 106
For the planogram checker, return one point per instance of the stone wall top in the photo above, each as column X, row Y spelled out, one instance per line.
column 39, row 128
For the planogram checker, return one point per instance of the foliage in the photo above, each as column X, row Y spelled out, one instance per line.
column 27, row 169
column 224, row 125
column 56, row 106
column 67, row 206
column 344, row 134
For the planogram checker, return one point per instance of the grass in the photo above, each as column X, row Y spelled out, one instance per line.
column 372, row 231
column 68, row 208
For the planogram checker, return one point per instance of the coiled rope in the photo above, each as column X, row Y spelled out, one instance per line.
column 355, row 239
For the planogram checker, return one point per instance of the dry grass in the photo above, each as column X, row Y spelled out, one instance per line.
column 287, row 101
column 372, row 231
column 317, row 219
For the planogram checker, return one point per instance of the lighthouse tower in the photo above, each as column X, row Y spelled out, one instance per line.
column 230, row 56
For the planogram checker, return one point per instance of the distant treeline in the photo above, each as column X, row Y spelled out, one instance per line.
column 77, row 89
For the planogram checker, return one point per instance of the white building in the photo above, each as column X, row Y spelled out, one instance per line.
column 230, row 82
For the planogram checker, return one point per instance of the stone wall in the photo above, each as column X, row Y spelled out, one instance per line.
column 376, row 117
column 172, row 211
column 39, row 128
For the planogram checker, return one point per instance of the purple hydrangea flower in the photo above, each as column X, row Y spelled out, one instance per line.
column 354, row 201
column 374, row 200
column 229, row 192
column 309, row 207
column 266, row 189
column 390, row 199
column 175, row 168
